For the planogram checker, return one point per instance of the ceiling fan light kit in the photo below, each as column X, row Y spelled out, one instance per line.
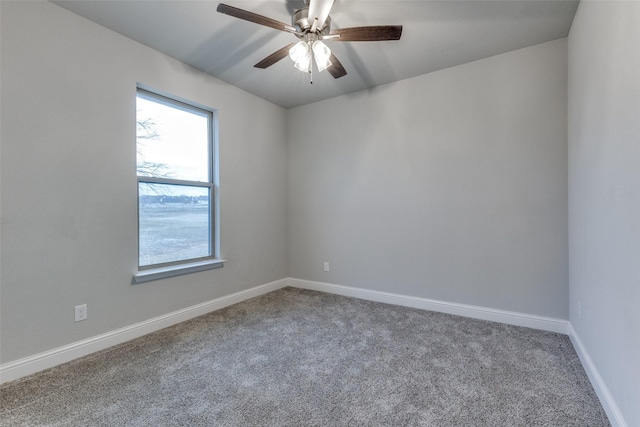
column 312, row 25
column 302, row 52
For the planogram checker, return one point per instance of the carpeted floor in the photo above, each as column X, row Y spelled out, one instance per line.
column 298, row 358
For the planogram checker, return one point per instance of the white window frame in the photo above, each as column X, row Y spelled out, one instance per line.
column 175, row 268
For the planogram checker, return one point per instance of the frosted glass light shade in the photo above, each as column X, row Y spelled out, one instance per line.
column 304, row 64
column 322, row 54
column 298, row 51
column 300, row 54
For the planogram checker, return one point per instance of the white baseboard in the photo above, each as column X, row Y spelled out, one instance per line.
column 608, row 403
column 475, row 312
column 48, row 359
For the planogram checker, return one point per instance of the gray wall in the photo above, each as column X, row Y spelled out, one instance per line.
column 69, row 181
column 604, row 193
column 450, row 186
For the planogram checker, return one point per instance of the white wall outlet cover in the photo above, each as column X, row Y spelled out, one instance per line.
column 80, row 312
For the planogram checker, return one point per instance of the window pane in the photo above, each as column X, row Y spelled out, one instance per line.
column 175, row 223
column 172, row 140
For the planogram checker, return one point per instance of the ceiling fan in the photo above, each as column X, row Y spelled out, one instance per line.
column 312, row 25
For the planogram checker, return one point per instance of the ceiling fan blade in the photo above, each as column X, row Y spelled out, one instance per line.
column 254, row 17
column 367, row 34
column 336, row 69
column 274, row 57
column 319, row 9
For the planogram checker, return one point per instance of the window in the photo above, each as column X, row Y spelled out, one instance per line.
column 176, row 187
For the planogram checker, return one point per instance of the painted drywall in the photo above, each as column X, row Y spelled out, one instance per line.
column 604, row 193
column 449, row 186
column 69, row 181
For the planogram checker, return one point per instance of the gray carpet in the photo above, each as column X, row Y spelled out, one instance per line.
column 300, row 358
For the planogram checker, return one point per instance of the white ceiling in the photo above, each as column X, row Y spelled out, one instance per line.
column 436, row 35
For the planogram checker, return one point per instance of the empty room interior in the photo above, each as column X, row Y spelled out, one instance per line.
column 440, row 228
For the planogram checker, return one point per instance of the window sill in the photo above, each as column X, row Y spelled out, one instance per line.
column 176, row 270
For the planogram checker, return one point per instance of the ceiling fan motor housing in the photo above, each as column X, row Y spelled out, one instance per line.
column 300, row 19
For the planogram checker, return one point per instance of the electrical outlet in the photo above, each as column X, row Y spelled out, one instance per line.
column 579, row 310
column 81, row 312
column 326, row 266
